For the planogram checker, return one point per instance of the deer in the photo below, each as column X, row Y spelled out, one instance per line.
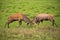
column 18, row 17
column 43, row 16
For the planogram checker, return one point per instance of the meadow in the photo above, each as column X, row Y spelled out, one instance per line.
column 43, row 31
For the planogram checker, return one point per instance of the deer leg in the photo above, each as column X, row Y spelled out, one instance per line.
column 41, row 21
column 8, row 25
column 20, row 22
column 9, row 22
column 52, row 22
column 38, row 22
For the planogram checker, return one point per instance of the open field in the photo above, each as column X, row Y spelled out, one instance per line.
column 32, row 33
column 44, row 31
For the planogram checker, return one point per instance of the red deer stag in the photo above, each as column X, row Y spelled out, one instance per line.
column 18, row 17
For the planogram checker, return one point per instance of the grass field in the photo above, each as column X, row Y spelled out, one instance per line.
column 30, row 8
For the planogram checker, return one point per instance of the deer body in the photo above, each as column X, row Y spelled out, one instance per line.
column 41, row 17
column 18, row 17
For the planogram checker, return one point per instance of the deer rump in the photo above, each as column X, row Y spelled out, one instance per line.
column 17, row 17
column 41, row 17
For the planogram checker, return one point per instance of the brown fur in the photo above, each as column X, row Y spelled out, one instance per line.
column 41, row 17
column 18, row 17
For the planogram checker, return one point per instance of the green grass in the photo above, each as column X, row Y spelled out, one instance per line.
column 32, row 33
column 30, row 8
